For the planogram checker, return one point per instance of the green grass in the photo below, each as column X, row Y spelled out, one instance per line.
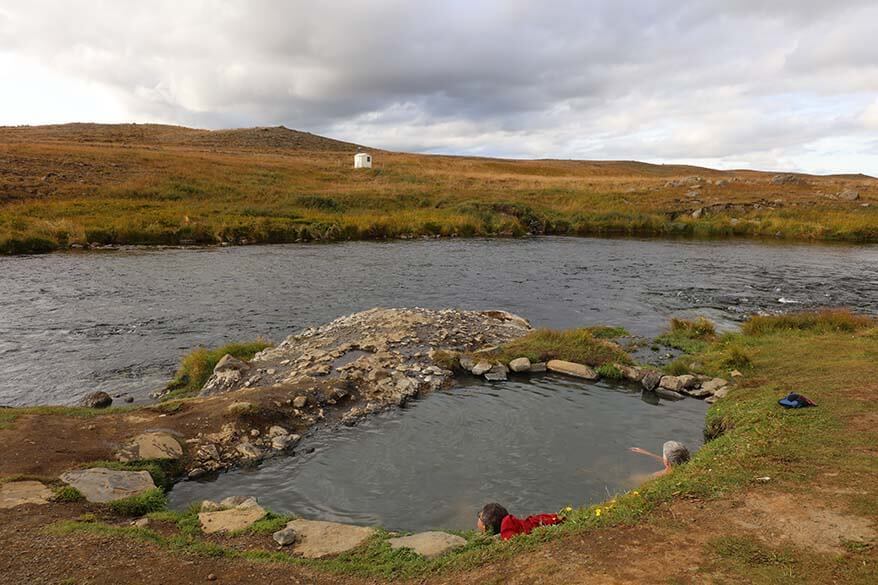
column 610, row 372
column 825, row 321
column 197, row 366
column 153, row 500
column 66, row 493
column 574, row 345
column 690, row 336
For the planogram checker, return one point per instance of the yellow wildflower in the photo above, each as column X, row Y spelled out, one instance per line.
column 597, row 512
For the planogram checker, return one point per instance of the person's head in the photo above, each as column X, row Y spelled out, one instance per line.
column 491, row 517
column 674, row 453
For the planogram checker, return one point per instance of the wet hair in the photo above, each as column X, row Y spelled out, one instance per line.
column 492, row 516
column 675, row 453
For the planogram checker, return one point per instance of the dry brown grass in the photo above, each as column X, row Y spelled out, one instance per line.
column 132, row 184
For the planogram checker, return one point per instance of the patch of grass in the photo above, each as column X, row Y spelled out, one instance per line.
column 690, row 336
column 270, row 524
column 825, row 321
column 749, row 551
column 610, row 372
column 197, row 366
column 67, row 493
column 7, row 417
column 574, row 345
column 153, row 500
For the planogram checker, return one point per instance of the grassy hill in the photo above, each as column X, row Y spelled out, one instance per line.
column 81, row 184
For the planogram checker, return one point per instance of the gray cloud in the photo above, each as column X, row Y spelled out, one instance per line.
column 722, row 82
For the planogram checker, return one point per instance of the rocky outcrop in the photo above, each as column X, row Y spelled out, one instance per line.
column 428, row 544
column 384, row 355
column 100, row 485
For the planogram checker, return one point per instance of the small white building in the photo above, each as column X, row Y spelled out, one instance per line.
column 362, row 160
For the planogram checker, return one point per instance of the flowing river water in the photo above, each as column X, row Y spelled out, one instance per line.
column 119, row 321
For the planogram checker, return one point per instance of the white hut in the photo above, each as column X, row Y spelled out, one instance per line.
column 362, row 160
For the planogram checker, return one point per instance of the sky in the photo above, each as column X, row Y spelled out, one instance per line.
column 768, row 84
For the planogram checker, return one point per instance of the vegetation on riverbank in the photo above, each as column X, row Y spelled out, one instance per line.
column 197, row 366
column 586, row 345
column 106, row 185
column 824, row 456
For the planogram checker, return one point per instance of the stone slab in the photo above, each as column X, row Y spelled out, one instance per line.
column 100, row 485
column 244, row 516
column 318, row 539
column 18, row 493
column 149, row 446
column 428, row 544
column 572, row 369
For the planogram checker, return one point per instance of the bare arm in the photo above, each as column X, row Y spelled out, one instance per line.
column 647, row 453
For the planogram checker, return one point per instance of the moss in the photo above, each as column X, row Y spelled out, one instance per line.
column 197, row 366
column 149, row 501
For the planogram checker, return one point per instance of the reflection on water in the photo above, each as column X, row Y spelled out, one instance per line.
column 534, row 446
column 75, row 323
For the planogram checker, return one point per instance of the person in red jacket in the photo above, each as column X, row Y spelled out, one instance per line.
column 495, row 519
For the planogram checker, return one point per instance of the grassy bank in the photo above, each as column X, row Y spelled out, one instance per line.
column 824, row 457
column 197, row 366
column 70, row 189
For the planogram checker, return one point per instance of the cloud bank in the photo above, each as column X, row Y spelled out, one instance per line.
column 786, row 84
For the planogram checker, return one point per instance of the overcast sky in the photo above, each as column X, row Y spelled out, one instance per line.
column 772, row 84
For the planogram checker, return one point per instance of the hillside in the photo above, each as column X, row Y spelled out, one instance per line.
column 80, row 184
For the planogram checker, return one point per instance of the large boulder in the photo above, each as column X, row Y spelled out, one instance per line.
column 101, row 485
column 428, row 544
column 481, row 368
column 150, row 446
column 714, row 385
column 650, row 380
column 18, row 493
column 572, row 369
column 497, row 373
column 96, row 400
column 317, row 539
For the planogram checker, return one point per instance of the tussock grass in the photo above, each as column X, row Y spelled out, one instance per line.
column 825, row 321
column 197, row 366
column 574, row 345
column 687, row 335
column 152, row 500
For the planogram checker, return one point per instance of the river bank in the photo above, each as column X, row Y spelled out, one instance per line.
column 776, row 496
column 80, row 186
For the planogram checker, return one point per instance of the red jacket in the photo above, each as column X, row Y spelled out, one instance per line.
column 512, row 526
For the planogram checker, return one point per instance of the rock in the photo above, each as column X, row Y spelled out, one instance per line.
column 230, row 520
column 18, row 493
column 697, row 392
column 572, row 369
column 849, row 195
column 787, row 180
column 318, row 539
column 497, row 373
column 149, row 446
column 129, row 399
column 481, row 368
column 100, row 485
column 428, row 544
column 735, row 374
column 285, row 536
column 211, row 577
column 141, row 522
column 240, row 408
column 714, row 385
column 467, row 363
column 238, row 502
column 650, row 380
column 698, row 213
column 97, row 400
column 284, row 442
column 249, row 451
column 671, row 383
column 210, row 506
column 521, row 364
column 632, row 373
column 300, row 401
column 230, row 362
column 722, row 392
column 668, row 394
column 537, row 368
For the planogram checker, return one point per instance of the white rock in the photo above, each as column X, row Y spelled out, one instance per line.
column 521, row 364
